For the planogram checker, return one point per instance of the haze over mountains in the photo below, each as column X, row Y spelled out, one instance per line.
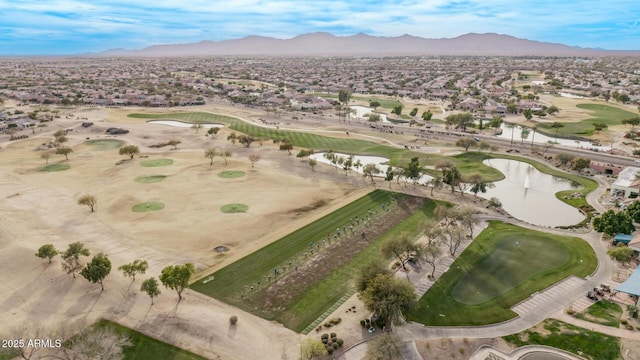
column 325, row 44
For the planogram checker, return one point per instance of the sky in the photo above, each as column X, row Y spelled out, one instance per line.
column 62, row 27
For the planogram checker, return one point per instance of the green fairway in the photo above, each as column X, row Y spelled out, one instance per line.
column 397, row 156
column 147, row 179
column 492, row 275
column 156, row 162
column 234, row 208
column 148, row 206
column 105, row 144
column 145, row 347
column 609, row 115
column 231, row 174
column 555, row 333
column 314, row 297
column 54, row 167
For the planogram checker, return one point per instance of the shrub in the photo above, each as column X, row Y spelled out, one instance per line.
column 340, row 342
column 629, row 327
column 362, row 323
column 233, row 320
column 324, row 341
column 327, row 325
column 324, row 336
column 571, row 312
column 624, row 322
column 333, row 335
column 330, row 350
column 335, row 346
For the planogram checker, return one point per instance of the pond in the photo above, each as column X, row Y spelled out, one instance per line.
column 183, row 124
column 529, row 195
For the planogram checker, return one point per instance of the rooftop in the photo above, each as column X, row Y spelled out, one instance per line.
column 627, row 177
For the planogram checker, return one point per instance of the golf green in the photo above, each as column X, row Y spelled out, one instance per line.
column 231, row 174
column 54, row 167
column 147, row 179
column 493, row 274
column 514, row 260
column 156, row 162
column 148, row 206
column 234, row 208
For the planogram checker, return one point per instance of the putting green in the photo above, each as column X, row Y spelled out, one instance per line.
column 231, row 174
column 54, row 167
column 234, row 208
column 509, row 266
column 156, row 162
column 492, row 275
column 105, row 144
column 148, row 206
column 147, row 179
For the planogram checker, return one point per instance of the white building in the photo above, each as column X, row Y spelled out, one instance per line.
column 627, row 182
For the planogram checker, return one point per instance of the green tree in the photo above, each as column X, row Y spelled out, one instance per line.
column 97, row 269
column 286, row 145
column 213, row 130
column 622, row 254
column 400, row 247
column 556, row 125
column 64, row 151
column 528, row 114
column 414, row 170
column 246, row 140
column 635, row 121
column 88, row 200
column 552, row 109
column 47, row 251
column 599, row 126
column 310, row 348
column 177, row 277
column 451, row 176
column 389, row 298
column 375, row 118
column 370, row 170
column 579, row 164
column 211, row 153
column 397, row 109
column 344, row 96
column 368, row 272
column 426, row 116
column 313, row 163
column 386, row 346
column 414, row 111
column 232, row 137
column 129, row 150
column 374, row 104
column 150, row 287
column 564, row 158
column 71, row 257
column 134, row 268
column 633, row 210
column 389, row 175
column 612, row 223
column 466, row 143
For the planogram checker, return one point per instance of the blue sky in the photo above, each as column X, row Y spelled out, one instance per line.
column 30, row 27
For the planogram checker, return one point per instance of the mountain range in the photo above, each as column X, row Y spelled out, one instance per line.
column 325, row 44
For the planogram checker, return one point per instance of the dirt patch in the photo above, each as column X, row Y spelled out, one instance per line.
column 452, row 349
column 314, row 205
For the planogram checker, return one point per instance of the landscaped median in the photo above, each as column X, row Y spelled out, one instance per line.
column 315, row 266
column 504, row 265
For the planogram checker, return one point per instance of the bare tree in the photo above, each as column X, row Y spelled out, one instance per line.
column 225, row 154
column 254, row 159
column 454, row 236
column 211, row 153
column 46, row 155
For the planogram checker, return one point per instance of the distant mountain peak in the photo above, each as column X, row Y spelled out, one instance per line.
column 324, row 44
